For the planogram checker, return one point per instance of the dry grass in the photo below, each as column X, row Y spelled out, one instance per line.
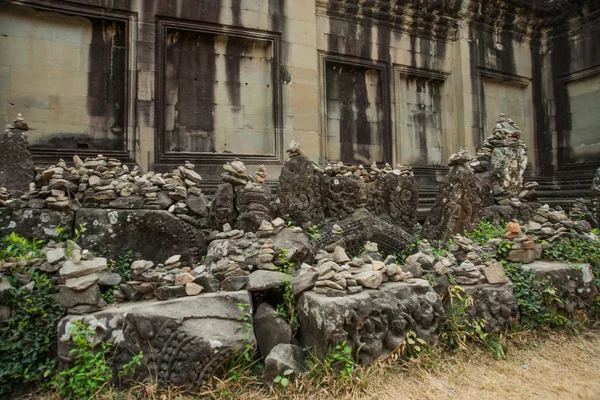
column 542, row 366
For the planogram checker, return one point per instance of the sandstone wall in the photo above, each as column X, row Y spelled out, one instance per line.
column 401, row 81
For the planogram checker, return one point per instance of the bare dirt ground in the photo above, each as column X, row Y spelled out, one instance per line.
column 542, row 366
column 557, row 367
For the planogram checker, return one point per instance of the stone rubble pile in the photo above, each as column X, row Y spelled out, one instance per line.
column 551, row 224
column 340, row 169
column 81, row 273
column 163, row 281
column 235, row 256
column 108, row 183
column 338, row 275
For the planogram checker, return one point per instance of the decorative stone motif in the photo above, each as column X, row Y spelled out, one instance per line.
column 458, row 206
column 188, row 340
column 376, row 321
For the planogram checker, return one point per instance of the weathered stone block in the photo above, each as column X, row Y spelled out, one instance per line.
column 16, row 163
column 152, row 234
column 376, row 321
column 574, row 282
column 184, row 341
column 495, row 304
column 36, row 223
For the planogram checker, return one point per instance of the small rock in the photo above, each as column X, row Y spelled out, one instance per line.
column 192, row 289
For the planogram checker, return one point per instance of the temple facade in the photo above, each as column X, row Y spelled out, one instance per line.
column 159, row 82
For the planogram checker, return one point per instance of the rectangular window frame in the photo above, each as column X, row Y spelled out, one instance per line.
column 324, row 58
column 130, row 21
column 206, row 158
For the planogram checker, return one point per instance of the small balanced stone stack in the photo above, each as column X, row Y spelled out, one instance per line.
column 235, row 173
column 80, row 293
column 339, row 169
column 236, row 254
column 163, row 281
column 503, row 156
column 338, row 275
column 523, row 248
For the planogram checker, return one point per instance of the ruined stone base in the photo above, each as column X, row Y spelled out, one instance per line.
column 153, row 235
column 495, row 304
column 574, row 282
column 184, row 341
column 376, row 321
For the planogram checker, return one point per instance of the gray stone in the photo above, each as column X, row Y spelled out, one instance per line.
column 208, row 282
column 270, row 329
column 70, row 298
column 340, row 256
column 390, row 312
column 495, row 304
column 55, row 255
column 85, row 267
column 119, row 231
column 264, row 280
column 169, row 292
column 130, row 292
column 304, row 280
column 202, row 333
column 16, row 163
column 297, row 245
column 35, row 223
column 573, row 281
column 282, row 358
column 234, row 283
column 81, row 283
column 369, row 279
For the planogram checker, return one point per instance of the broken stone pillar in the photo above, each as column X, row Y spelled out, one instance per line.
column 458, row 206
column 16, row 163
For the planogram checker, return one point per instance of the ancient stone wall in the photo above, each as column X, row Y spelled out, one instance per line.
column 399, row 82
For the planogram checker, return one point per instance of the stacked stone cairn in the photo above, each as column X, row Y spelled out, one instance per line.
column 551, row 224
column 503, row 155
column 80, row 292
column 108, row 183
column 164, row 281
column 340, row 169
column 235, row 257
column 338, row 275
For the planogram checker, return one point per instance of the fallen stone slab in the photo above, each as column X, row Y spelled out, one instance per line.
column 119, row 231
column 283, row 357
column 270, row 329
column 184, row 341
column 376, row 321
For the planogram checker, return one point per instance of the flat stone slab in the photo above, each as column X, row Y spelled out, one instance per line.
column 85, row 267
column 185, row 340
column 264, row 280
column 374, row 320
